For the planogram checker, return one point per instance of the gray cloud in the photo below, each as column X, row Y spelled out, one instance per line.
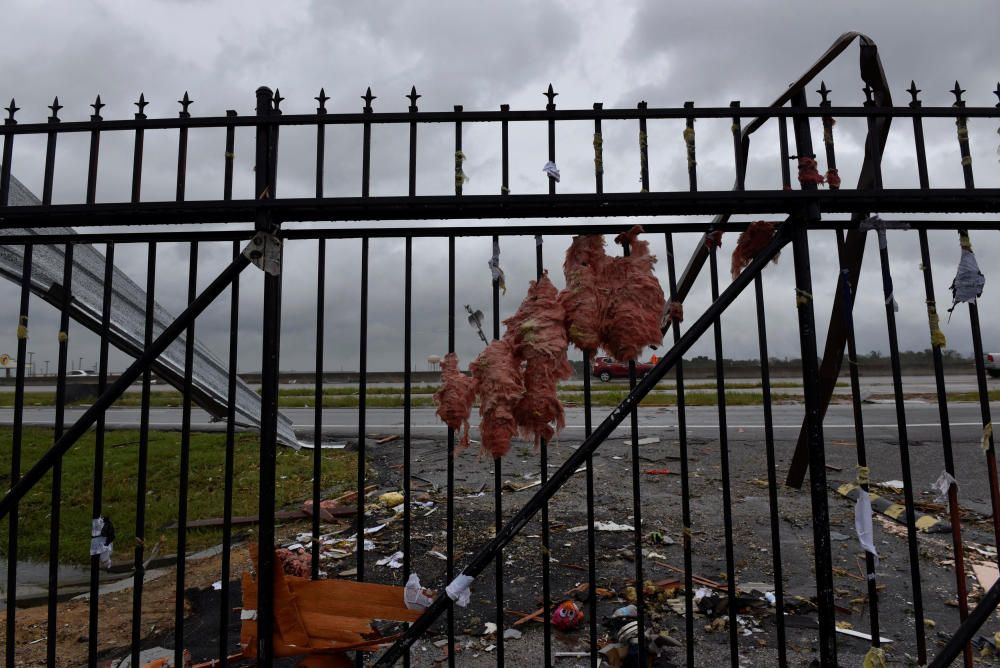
column 482, row 55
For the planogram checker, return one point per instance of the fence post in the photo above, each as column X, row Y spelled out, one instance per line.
column 265, row 224
column 813, row 415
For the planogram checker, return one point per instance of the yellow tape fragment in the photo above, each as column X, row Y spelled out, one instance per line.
column 802, row 297
column 22, row 327
column 938, row 339
column 63, row 337
column 864, row 475
column 987, row 436
column 874, row 658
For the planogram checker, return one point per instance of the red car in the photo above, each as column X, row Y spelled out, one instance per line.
column 606, row 368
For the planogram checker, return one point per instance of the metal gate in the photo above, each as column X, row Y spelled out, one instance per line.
column 259, row 227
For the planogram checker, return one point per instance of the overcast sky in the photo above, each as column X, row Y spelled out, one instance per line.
column 482, row 55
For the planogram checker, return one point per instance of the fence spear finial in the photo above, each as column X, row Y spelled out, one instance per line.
column 277, row 99
column 413, row 97
column 957, row 92
column 997, row 93
column 551, row 95
column 321, row 98
column 11, row 109
column 824, row 91
column 368, row 97
column 97, row 105
column 55, row 107
column 913, row 90
column 185, row 102
column 141, row 104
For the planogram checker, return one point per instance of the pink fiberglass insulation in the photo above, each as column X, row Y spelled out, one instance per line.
column 582, row 299
column 498, row 374
column 297, row 562
column 752, row 241
column 454, row 398
column 635, row 303
column 538, row 335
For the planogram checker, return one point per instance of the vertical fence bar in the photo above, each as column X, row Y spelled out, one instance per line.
column 227, row 499
column 138, row 565
column 317, row 486
column 497, row 461
column 8, row 153
column 772, row 478
column 897, row 384
column 185, row 462
column 265, row 182
column 727, row 496
column 449, row 566
column 56, row 499
column 102, row 385
column 848, row 290
column 362, row 407
column 859, row 430
column 16, row 437
column 53, row 581
column 937, row 344
column 408, row 356
column 640, row 594
column 587, row 429
column 543, row 445
column 227, row 494
column 765, row 384
column 814, row 421
column 675, row 325
column 977, row 334
column 407, row 415
column 185, row 459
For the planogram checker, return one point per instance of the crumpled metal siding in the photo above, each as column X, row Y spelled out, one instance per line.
column 210, row 381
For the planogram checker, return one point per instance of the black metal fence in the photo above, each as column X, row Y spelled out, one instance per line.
column 808, row 211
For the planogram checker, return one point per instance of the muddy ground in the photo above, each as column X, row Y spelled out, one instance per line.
column 661, row 512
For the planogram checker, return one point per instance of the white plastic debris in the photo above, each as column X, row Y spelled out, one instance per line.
column 551, row 169
column 414, row 596
column 248, row 614
column 458, row 589
column 969, row 281
column 863, row 523
column 102, row 536
column 393, row 561
column 943, row 486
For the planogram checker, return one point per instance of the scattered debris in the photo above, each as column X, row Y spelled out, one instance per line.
column 393, row 561
column 567, row 616
column 604, row 526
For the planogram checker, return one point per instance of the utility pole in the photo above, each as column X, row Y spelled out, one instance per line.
column 46, row 367
column 31, row 362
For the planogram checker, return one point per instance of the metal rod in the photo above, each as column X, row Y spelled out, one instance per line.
column 492, row 549
column 498, row 486
column 979, row 616
column 17, row 434
column 727, row 496
column 772, row 478
column 685, row 467
column 264, row 187
column 317, row 487
column 449, row 568
column 139, row 567
column 362, row 405
column 847, row 291
column 185, row 463
column 55, row 525
column 102, row 386
column 225, row 609
column 407, row 412
column 813, row 417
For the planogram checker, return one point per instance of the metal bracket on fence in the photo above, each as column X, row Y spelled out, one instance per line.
column 264, row 250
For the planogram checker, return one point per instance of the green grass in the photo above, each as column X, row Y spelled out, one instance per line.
column 205, row 495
